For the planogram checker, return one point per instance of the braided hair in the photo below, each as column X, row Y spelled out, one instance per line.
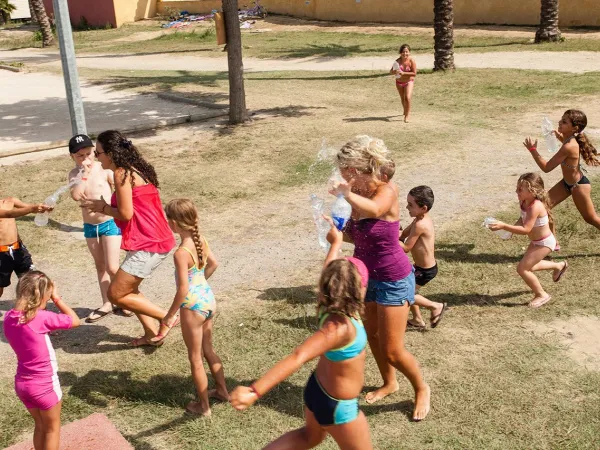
column 31, row 289
column 125, row 155
column 185, row 215
column 587, row 150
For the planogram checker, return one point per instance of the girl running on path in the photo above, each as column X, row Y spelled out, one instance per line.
column 194, row 264
column 535, row 222
column 405, row 69
column 374, row 230
column 138, row 212
column 576, row 146
column 331, row 393
column 26, row 328
column 102, row 235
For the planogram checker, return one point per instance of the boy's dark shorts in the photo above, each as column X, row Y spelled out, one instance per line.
column 19, row 262
column 424, row 276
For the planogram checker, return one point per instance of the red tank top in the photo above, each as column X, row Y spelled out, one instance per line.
column 148, row 228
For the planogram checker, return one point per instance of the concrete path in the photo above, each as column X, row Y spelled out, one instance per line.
column 576, row 62
column 34, row 111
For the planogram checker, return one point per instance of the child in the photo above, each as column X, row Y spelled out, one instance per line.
column 14, row 256
column 535, row 222
column 405, row 69
column 418, row 239
column 26, row 328
column 102, row 234
column 331, row 393
column 195, row 301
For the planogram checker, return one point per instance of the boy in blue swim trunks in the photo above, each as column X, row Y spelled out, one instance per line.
column 102, row 235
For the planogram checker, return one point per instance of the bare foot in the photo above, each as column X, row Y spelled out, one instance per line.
column 380, row 393
column 405, row 119
column 422, row 403
column 214, row 393
column 196, row 408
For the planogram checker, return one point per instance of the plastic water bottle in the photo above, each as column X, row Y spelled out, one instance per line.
column 340, row 212
column 41, row 219
column 322, row 225
column 552, row 143
column 502, row 233
column 396, row 67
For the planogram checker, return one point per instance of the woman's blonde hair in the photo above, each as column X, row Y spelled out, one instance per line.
column 183, row 212
column 535, row 184
column 340, row 289
column 365, row 154
column 31, row 289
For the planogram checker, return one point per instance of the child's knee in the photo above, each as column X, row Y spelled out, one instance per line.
column 521, row 269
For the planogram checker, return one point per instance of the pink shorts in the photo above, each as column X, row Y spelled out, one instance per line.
column 38, row 393
column 404, row 83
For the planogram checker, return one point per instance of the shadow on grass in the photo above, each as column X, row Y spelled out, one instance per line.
column 320, row 78
column 478, row 299
column 298, row 295
column 405, row 406
column 165, row 81
column 90, row 339
column 54, row 224
column 373, row 119
column 462, row 253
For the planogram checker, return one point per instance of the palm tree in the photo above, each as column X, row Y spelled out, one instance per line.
column 5, row 9
column 443, row 27
column 237, row 95
column 42, row 18
column 548, row 30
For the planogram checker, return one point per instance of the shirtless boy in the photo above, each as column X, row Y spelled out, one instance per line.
column 102, row 234
column 418, row 239
column 14, row 256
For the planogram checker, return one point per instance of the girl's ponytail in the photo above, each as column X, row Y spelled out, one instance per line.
column 586, row 149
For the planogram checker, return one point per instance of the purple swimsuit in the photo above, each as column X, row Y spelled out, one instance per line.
column 376, row 243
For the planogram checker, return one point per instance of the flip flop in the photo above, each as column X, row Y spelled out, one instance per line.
column 100, row 314
column 540, row 302
column 435, row 320
column 412, row 325
column 143, row 342
column 121, row 312
column 561, row 273
column 160, row 338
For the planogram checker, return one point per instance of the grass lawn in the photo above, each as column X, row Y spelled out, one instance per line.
column 500, row 377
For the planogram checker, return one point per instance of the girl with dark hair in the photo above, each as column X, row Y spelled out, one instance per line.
column 331, row 393
column 138, row 212
column 405, row 70
column 576, row 146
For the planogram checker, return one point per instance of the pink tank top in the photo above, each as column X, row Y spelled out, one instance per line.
column 31, row 343
column 148, row 229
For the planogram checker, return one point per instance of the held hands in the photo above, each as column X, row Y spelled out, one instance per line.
column 342, row 187
column 242, row 398
column 334, row 236
column 530, row 144
column 496, row 226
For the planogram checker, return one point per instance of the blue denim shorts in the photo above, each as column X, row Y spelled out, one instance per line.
column 108, row 228
column 392, row 293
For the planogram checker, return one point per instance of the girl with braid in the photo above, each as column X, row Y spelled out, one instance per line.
column 138, row 213
column 576, row 147
column 194, row 264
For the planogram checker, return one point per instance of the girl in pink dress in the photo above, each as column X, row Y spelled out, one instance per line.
column 26, row 328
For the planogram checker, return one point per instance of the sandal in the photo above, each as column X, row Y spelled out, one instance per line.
column 159, row 339
column 539, row 302
column 121, row 312
column 416, row 326
column 435, row 320
column 561, row 273
column 99, row 315
column 143, row 342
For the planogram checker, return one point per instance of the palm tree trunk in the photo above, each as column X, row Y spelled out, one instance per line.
column 443, row 27
column 42, row 18
column 32, row 13
column 548, row 30
column 237, row 95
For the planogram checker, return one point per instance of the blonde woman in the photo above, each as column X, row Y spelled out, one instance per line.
column 374, row 230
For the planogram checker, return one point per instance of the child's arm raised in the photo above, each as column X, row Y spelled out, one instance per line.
column 416, row 230
column 552, row 163
column 371, row 208
column 335, row 237
column 334, row 333
column 64, row 308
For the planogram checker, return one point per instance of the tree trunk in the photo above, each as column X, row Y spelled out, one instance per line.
column 237, row 95
column 32, row 13
column 443, row 27
column 42, row 18
column 548, row 30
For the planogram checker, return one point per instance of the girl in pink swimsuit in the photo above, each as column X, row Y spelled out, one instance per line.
column 405, row 69
column 26, row 328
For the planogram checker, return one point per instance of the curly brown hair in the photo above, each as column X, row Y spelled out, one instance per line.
column 535, row 184
column 31, row 289
column 183, row 212
column 340, row 289
column 587, row 150
column 126, row 155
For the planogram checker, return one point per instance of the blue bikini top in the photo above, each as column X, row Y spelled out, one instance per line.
column 351, row 350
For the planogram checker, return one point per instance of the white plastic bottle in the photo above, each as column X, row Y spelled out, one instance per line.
column 503, row 234
column 340, row 212
column 552, row 143
column 396, row 67
column 41, row 219
column 316, row 204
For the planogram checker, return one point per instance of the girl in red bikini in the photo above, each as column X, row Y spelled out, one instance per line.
column 405, row 69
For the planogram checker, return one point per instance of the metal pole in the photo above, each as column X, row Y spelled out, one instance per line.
column 69, row 66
